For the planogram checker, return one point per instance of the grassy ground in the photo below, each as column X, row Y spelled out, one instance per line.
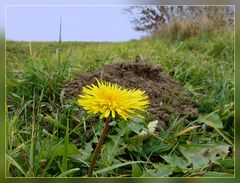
column 46, row 138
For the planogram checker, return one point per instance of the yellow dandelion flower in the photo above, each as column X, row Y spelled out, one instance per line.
column 110, row 99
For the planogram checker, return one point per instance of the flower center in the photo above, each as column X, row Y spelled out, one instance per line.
column 111, row 104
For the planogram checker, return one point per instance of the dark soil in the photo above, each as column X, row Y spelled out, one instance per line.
column 168, row 98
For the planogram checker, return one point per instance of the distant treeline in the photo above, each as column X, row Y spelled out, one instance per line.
column 181, row 21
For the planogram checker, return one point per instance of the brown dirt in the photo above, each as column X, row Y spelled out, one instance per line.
column 167, row 97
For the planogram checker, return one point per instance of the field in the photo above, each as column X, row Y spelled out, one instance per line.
column 47, row 138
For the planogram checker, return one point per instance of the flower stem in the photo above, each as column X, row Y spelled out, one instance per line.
column 99, row 145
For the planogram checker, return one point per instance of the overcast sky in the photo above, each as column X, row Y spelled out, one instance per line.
column 79, row 23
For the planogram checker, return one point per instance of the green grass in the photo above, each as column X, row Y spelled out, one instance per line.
column 45, row 136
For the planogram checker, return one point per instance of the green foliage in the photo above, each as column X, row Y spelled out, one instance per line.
column 47, row 137
column 201, row 154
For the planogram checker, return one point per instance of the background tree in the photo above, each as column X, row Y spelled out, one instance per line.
column 158, row 19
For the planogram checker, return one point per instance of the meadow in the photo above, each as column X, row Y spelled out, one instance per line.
column 46, row 137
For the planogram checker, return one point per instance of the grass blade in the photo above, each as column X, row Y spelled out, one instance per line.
column 33, row 139
column 64, row 174
column 186, row 130
column 12, row 161
column 65, row 155
column 54, row 122
column 116, row 166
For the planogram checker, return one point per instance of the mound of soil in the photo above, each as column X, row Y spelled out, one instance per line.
column 167, row 97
